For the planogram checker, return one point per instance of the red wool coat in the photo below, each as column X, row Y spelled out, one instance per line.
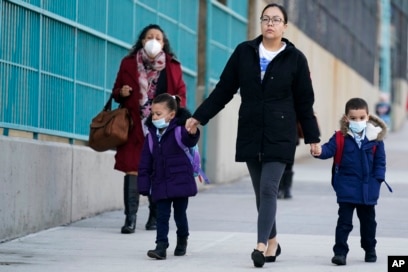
column 128, row 155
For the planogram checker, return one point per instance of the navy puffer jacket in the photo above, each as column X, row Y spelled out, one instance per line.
column 362, row 170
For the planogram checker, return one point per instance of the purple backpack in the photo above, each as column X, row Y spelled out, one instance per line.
column 191, row 152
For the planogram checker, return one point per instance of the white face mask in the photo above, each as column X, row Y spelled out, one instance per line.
column 357, row 126
column 160, row 123
column 152, row 48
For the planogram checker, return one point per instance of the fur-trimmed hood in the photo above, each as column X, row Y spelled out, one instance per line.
column 376, row 128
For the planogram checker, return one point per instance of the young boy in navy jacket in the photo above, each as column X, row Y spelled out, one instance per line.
column 358, row 177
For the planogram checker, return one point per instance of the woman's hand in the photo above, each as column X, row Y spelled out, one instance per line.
column 191, row 125
column 125, row 91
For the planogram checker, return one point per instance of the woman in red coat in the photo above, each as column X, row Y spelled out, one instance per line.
column 148, row 70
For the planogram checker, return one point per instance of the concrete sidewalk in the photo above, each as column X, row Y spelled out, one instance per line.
column 223, row 230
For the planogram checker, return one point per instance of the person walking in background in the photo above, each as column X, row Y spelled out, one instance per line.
column 166, row 173
column 383, row 109
column 285, row 184
column 358, row 177
column 148, row 70
column 276, row 90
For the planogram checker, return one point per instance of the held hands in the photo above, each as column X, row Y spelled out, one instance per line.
column 125, row 91
column 315, row 149
column 191, row 125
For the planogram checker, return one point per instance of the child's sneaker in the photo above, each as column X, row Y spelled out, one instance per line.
column 370, row 256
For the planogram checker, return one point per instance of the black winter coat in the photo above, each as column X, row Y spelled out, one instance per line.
column 269, row 107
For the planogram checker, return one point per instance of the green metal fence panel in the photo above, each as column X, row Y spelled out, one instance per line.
column 19, row 99
column 33, row 2
column 239, row 6
column 90, row 58
column 114, row 54
column 19, row 35
column 227, row 29
column 59, row 59
column 58, row 48
column 88, row 102
column 95, row 19
column 56, row 104
column 121, row 20
column 66, row 9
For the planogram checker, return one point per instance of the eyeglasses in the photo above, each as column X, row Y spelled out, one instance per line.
column 275, row 20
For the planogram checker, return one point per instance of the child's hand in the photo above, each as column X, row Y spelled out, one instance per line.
column 193, row 130
column 315, row 149
column 191, row 125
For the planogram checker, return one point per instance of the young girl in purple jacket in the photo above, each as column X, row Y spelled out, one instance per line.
column 166, row 173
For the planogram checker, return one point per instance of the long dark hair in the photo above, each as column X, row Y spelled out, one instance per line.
column 138, row 45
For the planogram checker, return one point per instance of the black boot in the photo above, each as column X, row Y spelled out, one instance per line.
column 131, row 200
column 160, row 252
column 285, row 185
column 181, row 247
column 289, row 179
column 151, row 222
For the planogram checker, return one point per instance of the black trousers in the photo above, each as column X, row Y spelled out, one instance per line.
column 265, row 177
column 163, row 216
column 368, row 226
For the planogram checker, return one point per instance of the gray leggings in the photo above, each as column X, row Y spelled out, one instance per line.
column 265, row 178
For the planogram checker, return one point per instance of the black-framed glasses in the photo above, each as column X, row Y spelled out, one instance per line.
column 274, row 20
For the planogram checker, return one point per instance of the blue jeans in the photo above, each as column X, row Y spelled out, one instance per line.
column 163, row 216
column 368, row 226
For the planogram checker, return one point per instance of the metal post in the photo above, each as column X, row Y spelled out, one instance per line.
column 383, row 106
column 385, row 53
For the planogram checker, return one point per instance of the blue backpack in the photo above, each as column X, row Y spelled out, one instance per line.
column 191, row 152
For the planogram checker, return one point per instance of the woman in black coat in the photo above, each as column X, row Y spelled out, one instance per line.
column 276, row 91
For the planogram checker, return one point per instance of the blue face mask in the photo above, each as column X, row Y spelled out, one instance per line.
column 357, row 126
column 160, row 123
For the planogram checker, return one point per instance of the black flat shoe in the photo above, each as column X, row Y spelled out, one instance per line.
column 258, row 258
column 272, row 259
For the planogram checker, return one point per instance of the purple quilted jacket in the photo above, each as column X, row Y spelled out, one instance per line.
column 166, row 172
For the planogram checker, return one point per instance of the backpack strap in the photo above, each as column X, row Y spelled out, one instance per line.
column 177, row 132
column 150, row 140
column 388, row 186
column 339, row 154
column 201, row 174
column 339, row 148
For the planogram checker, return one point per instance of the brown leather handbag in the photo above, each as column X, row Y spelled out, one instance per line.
column 110, row 128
